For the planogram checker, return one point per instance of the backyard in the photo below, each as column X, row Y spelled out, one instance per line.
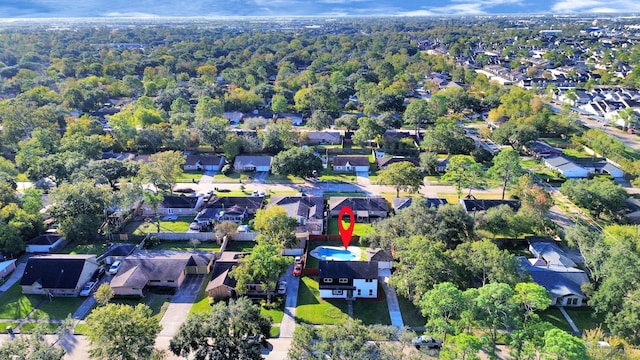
column 179, row 225
column 360, row 229
column 312, row 262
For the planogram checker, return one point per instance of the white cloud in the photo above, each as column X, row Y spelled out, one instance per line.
column 596, row 6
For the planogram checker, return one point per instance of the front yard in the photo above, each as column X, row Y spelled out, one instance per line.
column 189, row 177
column 582, row 317
column 313, row 310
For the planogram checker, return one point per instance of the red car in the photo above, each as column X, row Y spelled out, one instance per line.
column 297, row 270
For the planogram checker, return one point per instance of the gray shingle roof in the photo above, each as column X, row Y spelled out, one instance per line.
column 359, row 203
column 303, row 206
column 55, row 271
column 348, row 269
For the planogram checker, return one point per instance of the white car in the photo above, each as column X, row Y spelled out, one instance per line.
column 282, row 287
column 115, row 267
column 86, row 290
column 170, row 217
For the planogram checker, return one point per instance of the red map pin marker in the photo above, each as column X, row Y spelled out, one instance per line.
column 345, row 234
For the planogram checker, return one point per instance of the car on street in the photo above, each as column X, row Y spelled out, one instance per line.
column 115, row 267
column 282, row 287
column 86, row 289
column 170, row 217
column 194, row 226
column 297, row 269
column 426, row 342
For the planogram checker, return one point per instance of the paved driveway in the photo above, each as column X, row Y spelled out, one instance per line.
column 260, row 177
column 288, row 324
column 362, row 178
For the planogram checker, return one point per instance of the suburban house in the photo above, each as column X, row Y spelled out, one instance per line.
column 475, row 205
column 351, row 163
column 57, row 275
column 166, row 269
column 322, row 137
column 308, row 211
column 295, row 118
column 222, row 285
column 348, row 279
column 258, row 163
column 44, row 243
column 552, row 269
column 386, row 161
column 234, row 117
column 203, row 163
column 403, row 203
column 230, row 208
column 365, row 209
column 175, row 205
column 566, row 167
column 6, row 268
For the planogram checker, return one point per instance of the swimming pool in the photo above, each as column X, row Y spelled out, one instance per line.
column 336, row 253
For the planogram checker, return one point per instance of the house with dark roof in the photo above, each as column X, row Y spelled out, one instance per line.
column 57, row 275
column 6, row 268
column 351, row 163
column 477, row 205
column 258, row 163
column 383, row 257
column 116, row 252
column 45, row 243
column 386, row 161
column 166, row 269
column 295, row 118
column 403, row 203
column 554, row 270
column 566, row 167
column 322, row 137
column 223, row 286
column 308, row 211
column 234, row 117
column 348, row 279
column 231, row 208
column 203, row 163
column 180, row 205
column 365, row 209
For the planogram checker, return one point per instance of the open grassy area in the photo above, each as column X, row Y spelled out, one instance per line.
column 372, row 311
column 556, row 142
column 276, row 314
column 189, row 177
column 410, row 313
column 231, row 178
column 584, row 318
column 95, row 248
column 201, row 303
column 274, row 331
column 359, row 229
column 81, row 329
column 242, row 246
column 175, row 226
column 554, row 316
column 279, row 179
column 184, row 245
column 313, row 310
column 159, row 305
column 3, row 326
column 337, row 177
column 48, row 328
column 15, row 305
column 577, row 153
column 59, row 307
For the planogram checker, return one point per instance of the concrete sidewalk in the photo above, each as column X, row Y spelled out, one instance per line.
column 15, row 276
column 392, row 303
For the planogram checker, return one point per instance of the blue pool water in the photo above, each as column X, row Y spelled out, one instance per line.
column 333, row 253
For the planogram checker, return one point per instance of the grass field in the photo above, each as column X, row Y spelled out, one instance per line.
column 359, row 229
column 276, row 314
column 15, row 305
column 3, row 326
column 175, row 226
column 410, row 313
column 189, row 177
column 184, row 245
column 59, row 307
column 95, row 248
column 372, row 312
column 334, row 177
column 48, row 328
column 582, row 317
column 201, row 303
column 242, row 246
column 231, row 178
column 313, row 310
column 277, row 179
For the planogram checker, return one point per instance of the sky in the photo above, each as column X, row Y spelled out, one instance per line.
column 163, row 8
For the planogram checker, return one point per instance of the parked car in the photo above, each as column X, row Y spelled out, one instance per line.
column 297, row 269
column 170, row 217
column 194, row 226
column 98, row 274
column 282, row 287
column 298, row 259
column 86, row 290
column 115, row 267
column 426, row 342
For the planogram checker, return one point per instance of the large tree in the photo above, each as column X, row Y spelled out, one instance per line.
column 447, row 137
column 442, row 306
column 212, row 131
column 419, row 113
column 340, row 342
column 230, row 332
column 275, row 226
column 563, row 346
column 599, row 196
column 402, row 176
column 506, row 166
column 496, row 310
column 463, row 171
column 163, row 169
column 122, row 332
column 300, row 162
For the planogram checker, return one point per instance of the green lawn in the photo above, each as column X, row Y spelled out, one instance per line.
column 410, row 313
column 22, row 177
column 201, row 304
column 557, row 142
column 231, row 178
column 60, row 307
column 584, row 318
column 554, row 316
column 242, row 246
column 179, row 225
column 274, row 331
column 359, row 229
column 334, row 177
column 577, row 153
column 81, row 329
column 15, row 305
column 372, row 312
column 278, row 179
column 3, row 326
column 49, row 328
column 189, row 177
column 159, row 305
column 184, row 245
column 276, row 314
column 95, row 248
column 313, row 310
